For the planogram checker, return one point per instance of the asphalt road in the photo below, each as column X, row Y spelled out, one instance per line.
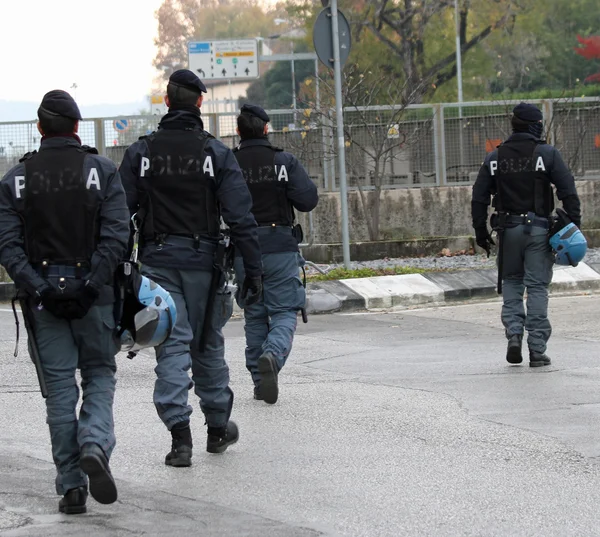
column 397, row 424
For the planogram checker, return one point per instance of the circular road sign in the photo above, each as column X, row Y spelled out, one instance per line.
column 323, row 37
column 121, row 125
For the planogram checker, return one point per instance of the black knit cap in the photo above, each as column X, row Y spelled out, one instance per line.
column 187, row 79
column 528, row 112
column 255, row 110
column 60, row 103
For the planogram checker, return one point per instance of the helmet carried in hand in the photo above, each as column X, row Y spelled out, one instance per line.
column 148, row 310
column 567, row 240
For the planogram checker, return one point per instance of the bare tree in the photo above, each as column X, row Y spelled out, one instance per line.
column 377, row 135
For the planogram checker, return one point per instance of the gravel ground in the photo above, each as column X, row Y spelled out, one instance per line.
column 459, row 262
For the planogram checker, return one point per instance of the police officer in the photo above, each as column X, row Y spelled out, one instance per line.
column 64, row 227
column 520, row 174
column 180, row 181
column 279, row 184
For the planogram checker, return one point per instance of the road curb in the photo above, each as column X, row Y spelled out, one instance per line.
column 403, row 291
column 433, row 288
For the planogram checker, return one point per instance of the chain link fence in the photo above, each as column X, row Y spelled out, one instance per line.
column 386, row 147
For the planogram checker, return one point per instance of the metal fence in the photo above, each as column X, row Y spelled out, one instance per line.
column 387, row 147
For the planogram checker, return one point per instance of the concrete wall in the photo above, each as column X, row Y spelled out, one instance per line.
column 420, row 212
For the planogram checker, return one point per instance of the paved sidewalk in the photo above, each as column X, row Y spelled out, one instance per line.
column 432, row 288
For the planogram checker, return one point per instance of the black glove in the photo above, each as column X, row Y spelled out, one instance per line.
column 251, row 290
column 68, row 304
column 484, row 239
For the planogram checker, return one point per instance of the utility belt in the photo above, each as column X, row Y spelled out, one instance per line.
column 222, row 249
column 77, row 271
column 529, row 219
column 274, row 228
column 501, row 221
column 296, row 231
column 192, row 241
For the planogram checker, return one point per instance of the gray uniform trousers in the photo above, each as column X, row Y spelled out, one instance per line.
column 210, row 372
column 88, row 344
column 528, row 261
column 270, row 324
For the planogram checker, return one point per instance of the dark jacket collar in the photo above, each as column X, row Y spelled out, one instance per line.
column 254, row 142
column 520, row 136
column 59, row 141
column 181, row 119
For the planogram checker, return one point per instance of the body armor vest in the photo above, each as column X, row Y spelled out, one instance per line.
column 520, row 187
column 61, row 213
column 270, row 204
column 178, row 196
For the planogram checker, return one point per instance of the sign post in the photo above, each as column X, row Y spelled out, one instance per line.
column 332, row 40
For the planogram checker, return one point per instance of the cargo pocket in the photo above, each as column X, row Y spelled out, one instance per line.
column 110, row 339
column 223, row 307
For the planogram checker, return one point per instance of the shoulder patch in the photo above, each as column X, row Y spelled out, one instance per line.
column 27, row 156
column 147, row 136
column 89, row 149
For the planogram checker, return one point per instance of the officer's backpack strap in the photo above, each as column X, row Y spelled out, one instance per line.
column 27, row 156
column 205, row 137
column 144, row 214
column 89, row 149
column 543, row 196
column 146, row 136
column 284, row 203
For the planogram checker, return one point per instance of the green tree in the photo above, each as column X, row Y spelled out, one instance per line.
column 181, row 21
column 274, row 89
column 538, row 52
column 414, row 40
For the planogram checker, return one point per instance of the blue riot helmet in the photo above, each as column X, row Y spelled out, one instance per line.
column 148, row 311
column 567, row 240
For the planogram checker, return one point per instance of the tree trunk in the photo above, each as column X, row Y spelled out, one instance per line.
column 376, row 213
column 375, row 216
column 365, row 206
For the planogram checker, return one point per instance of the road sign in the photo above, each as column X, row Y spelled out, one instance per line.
column 323, row 37
column 158, row 106
column 393, row 131
column 224, row 60
column 121, row 125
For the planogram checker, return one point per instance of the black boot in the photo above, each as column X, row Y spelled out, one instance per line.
column 180, row 455
column 257, row 395
column 220, row 438
column 538, row 359
column 73, row 502
column 513, row 353
column 269, row 389
column 94, row 463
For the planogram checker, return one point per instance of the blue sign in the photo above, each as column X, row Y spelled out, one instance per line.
column 121, row 125
column 199, row 48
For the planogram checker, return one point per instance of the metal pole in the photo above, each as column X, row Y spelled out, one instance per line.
column 459, row 82
column 294, row 107
column 320, row 121
column 337, row 70
column 458, row 53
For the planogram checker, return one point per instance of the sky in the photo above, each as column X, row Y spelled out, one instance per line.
column 106, row 47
